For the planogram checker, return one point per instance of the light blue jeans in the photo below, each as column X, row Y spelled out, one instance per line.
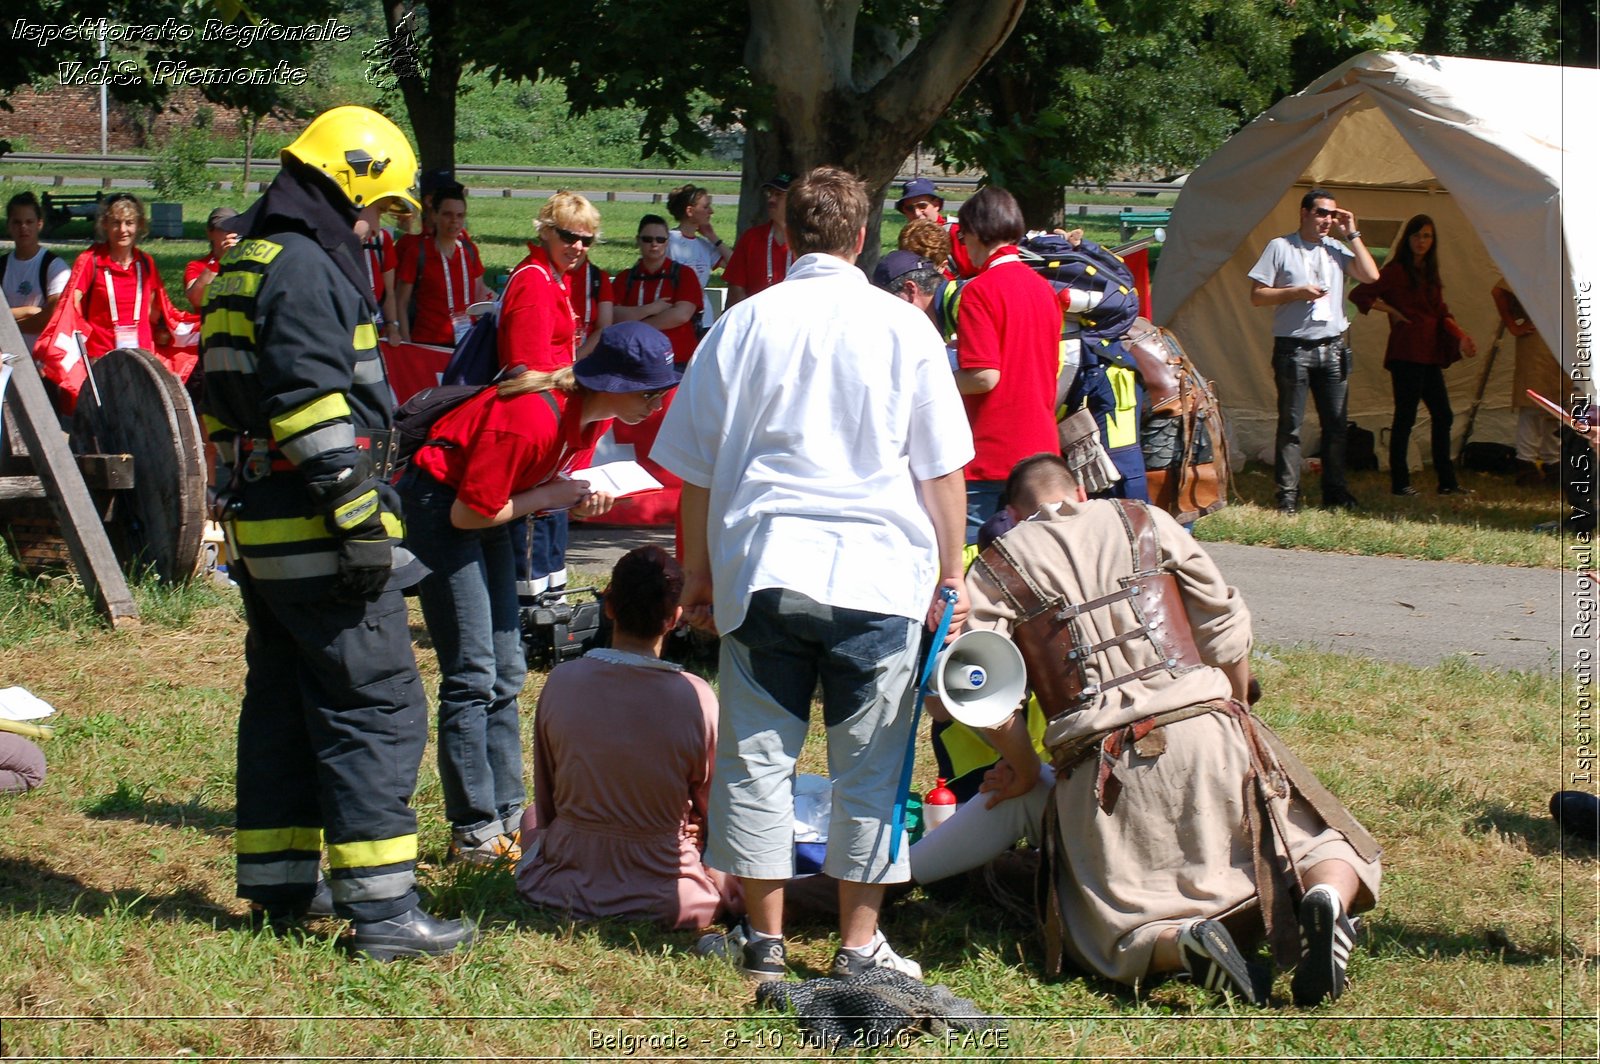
column 469, row 601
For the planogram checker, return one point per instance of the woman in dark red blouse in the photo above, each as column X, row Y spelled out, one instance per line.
column 1423, row 340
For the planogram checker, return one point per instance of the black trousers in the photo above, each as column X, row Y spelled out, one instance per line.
column 331, row 733
column 1413, row 383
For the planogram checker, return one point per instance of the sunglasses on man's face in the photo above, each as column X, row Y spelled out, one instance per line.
column 1323, row 212
column 652, row 239
column 569, row 237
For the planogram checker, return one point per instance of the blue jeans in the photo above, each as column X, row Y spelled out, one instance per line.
column 540, row 544
column 770, row 668
column 469, row 600
column 1324, row 371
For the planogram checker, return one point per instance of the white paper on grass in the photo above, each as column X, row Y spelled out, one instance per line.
column 17, row 703
column 618, row 478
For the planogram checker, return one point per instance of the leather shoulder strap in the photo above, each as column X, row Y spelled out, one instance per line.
column 1142, row 541
column 1025, row 596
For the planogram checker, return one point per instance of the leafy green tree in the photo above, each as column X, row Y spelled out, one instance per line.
column 424, row 58
column 854, row 83
column 1086, row 91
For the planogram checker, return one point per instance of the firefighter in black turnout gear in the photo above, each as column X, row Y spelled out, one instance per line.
column 334, row 718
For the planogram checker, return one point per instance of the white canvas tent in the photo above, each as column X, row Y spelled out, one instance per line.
column 1485, row 148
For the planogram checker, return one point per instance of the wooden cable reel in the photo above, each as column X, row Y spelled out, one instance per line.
column 139, row 447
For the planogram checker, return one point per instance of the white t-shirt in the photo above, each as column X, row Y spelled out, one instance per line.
column 809, row 412
column 1289, row 261
column 23, row 289
column 700, row 255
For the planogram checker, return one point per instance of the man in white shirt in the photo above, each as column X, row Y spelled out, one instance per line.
column 33, row 277
column 1301, row 276
column 821, row 440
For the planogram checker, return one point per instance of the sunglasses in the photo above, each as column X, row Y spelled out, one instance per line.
column 651, row 397
column 1323, row 212
column 652, row 240
column 569, row 237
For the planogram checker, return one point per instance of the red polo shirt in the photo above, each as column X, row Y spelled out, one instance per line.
column 498, row 447
column 443, row 288
column 537, row 327
column 758, row 261
column 381, row 258
column 675, row 283
column 588, row 289
column 1010, row 321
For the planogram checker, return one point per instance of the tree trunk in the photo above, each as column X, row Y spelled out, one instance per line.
column 251, row 123
column 863, row 105
column 429, row 83
column 1043, row 206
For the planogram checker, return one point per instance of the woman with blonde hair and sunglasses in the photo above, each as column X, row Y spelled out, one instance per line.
column 499, row 457
column 118, row 288
column 540, row 330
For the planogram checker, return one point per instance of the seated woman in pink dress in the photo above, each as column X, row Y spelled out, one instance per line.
column 623, row 748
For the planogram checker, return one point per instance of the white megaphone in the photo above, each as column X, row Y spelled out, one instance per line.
column 980, row 679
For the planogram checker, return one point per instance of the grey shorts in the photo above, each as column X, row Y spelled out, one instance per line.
column 770, row 667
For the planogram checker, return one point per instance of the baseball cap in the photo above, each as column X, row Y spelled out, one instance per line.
column 630, row 357
column 896, row 265
column 918, row 186
column 780, row 181
column 215, row 219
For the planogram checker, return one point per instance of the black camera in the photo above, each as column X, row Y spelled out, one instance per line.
column 562, row 625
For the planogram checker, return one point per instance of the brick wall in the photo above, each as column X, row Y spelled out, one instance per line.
column 67, row 119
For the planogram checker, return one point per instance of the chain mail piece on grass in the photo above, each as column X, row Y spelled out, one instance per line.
column 880, row 1007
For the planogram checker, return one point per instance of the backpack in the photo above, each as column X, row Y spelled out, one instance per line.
column 638, row 276
column 477, row 355
column 1087, row 267
column 414, row 420
column 46, row 257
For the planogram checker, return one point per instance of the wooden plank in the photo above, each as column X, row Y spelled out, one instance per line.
column 21, row 488
column 92, row 557
column 101, row 472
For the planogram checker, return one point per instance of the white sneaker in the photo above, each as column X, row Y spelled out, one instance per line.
column 878, row 954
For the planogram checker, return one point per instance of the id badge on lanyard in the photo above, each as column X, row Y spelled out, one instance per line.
column 127, row 335
column 460, row 321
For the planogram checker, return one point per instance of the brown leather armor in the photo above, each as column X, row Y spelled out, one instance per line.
column 1059, row 658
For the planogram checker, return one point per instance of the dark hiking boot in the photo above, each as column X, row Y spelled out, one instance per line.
column 414, row 933
column 279, row 920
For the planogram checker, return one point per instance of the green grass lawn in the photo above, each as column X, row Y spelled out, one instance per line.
column 501, row 226
column 123, row 938
column 1493, row 526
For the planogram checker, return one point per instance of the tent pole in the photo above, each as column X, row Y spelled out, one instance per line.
column 1483, row 386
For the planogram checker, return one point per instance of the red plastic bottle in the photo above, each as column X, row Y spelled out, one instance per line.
column 937, row 805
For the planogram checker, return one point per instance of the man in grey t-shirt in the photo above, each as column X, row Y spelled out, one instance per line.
column 1302, row 276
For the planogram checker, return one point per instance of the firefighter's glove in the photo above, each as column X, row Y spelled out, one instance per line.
column 349, row 500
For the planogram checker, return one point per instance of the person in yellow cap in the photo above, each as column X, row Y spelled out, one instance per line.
column 334, row 718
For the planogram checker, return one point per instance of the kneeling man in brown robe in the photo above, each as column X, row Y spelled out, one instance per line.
column 1174, row 824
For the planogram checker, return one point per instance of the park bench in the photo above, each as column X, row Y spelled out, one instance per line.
column 1133, row 219
column 61, row 208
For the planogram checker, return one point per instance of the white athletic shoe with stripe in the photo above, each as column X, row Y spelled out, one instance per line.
column 1326, row 938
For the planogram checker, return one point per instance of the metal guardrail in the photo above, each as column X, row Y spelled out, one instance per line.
column 1137, row 187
